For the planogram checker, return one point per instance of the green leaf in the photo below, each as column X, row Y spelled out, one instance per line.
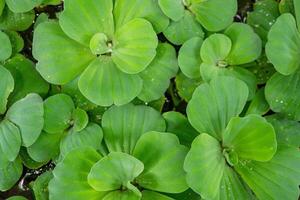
column 205, row 166
column 80, row 20
column 2, row 5
column 58, row 110
column 19, row 6
column 150, row 195
column 214, row 15
column 45, row 148
column 104, row 84
column 10, row 173
column 189, row 59
column 124, row 125
column 163, row 158
column 156, row 78
column 124, row 195
column 178, row 124
column 213, row 105
column 27, row 114
column 186, row 28
column 297, row 13
column 124, row 11
column 134, row 46
column 6, row 87
column 282, row 94
column 259, row 104
column 16, row 21
column 246, row 44
column 28, row 161
column 80, row 118
column 262, row 17
column 40, row 186
column 16, row 40
column 276, row 179
column 55, row 64
column 173, row 9
column 6, row 48
column 116, row 170
column 17, row 198
column 286, row 130
column 283, row 46
column 27, row 79
column 10, row 140
column 91, row 137
column 70, row 176
column 257, row 143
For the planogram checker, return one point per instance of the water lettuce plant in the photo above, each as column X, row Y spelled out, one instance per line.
column 149, row 99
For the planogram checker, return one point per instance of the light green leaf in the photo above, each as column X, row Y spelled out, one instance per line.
column 163, row 158
column 10, row 173
column 2, row 5
column 124, row 11
column 205, row 166
column 70, row 176
column 27, row 114
column 91, row 136
column 189, row 59
column 6, row 48
column 123, row 195
column 27, row 79
column 58, row 111
column 6, row 87
column 16, row 41
column 257, row 143
column 116, row 170
column 173, row 9
column 10, row 140
column 214, row 15
column 258, row 105
column 186, row 28
column 282, row 94
column 16, row 21
column 80, row 119
column 124, row 125
column 104, row 84
column 20, row 6
column 17, row 198
column 45, row 148
column 150, row 195
column 80, row 20
column 178, row 124
column 40, row 186
column 60, row 59
column 283, row 46
column 277, row 179
column 134, row 46
column 213, row 105
column 28, row 161
column 246, row 44
column 156, row 78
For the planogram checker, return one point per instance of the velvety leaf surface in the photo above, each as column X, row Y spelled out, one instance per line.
column 104, row 84
column 150, row 195
column 16, row 21
column 214, row 15
column 12, row 171
column 60, row 59
column 6, row 48
column 205, row 166
column 281, row 175
column 259, row 104
column 282, row 93
column 17, row 42
column 174, row 9
column 58, row 111
column 213, row 105
column 186, row 28
column 10, row 140
column 134, row 46
column 19, row 6
column 257, row 143
column 96, row 17
column 80, row 119
column 70, row 176
column 91, row 136
column 114, row 171
column 189, row 59
column 124, row 195
column 283, row 46
column 40, row 186
column 156, row 78
column 163, row 158
column 6, row 87
column 27, row 114
column 124, row 125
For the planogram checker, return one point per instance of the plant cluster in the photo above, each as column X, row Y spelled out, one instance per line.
column 149, row 100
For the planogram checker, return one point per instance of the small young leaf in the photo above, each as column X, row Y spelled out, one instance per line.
column 6, row 87
column 6, row 48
